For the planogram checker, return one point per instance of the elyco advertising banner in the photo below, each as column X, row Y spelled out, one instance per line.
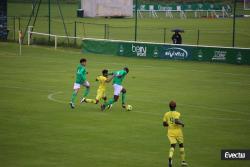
column 167, row 51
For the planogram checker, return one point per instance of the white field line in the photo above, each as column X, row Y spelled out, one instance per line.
column 52, row 98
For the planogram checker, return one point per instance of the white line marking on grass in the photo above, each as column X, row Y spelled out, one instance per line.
column 52, row 98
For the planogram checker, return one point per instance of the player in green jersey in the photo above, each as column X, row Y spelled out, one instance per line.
column 118, row 88
column 81, row 80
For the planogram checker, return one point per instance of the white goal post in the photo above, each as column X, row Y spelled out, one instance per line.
column 30, row 33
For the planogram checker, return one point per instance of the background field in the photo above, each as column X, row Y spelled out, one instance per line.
column 212, row 31
column 37, row 127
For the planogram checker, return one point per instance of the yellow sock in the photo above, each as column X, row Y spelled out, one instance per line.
column 171, row 152
column 90, row 101
column 182, row 152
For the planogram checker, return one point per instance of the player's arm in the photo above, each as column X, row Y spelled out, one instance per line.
column 110, row 79
column 112, row 73
column 121, row 75
column 179, row 122
column 165, row 124
column 97, row 78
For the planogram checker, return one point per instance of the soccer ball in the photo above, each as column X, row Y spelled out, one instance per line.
column 129, row 108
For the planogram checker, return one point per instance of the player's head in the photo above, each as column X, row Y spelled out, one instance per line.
column 105, row 72
column 126, row 69
column 83, row 61
column 172, row 105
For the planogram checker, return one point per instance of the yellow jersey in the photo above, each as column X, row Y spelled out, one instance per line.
column 102, row 82
column 173, row 129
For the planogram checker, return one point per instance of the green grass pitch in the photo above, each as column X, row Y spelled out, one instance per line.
column 37, row 127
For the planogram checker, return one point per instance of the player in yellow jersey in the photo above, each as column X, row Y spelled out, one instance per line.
column 101, row 91
column 171, row 121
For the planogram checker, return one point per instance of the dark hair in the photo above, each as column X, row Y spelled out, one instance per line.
column 126, row 69
column 172, row 105
column 83, row 60
column 105, row 71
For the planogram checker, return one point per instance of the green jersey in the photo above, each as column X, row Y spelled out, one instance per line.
column 80, row 74
column 119, row 76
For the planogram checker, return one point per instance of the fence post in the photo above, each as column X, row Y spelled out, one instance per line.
column 75, row 34
column 234, row 20
column 136, row 19
column 29, row 34
column 164, row 38
column 198, row 37
column 19, row 23
column 55, row 42
column 105, row 31
column 28, row 38
column 14, row 23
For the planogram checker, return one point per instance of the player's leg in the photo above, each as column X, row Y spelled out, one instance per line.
column 74, row 94
column 87, row 86
column 104, row 98
column 110, row 102
column 124, row 91
column 117, row 91
column 182, row 151
column 96, row 100
column 86, row 92
column 182, row 154
column 173, row 142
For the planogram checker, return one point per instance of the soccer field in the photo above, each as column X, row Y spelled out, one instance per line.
column 37, row 127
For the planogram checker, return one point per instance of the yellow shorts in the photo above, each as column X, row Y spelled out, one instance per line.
column 175, row 139
column 100, row 94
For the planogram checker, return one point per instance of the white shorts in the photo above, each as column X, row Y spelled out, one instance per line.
column 117, row 89
column 77, row 85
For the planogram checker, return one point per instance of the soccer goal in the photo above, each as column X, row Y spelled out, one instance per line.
column 55, row 38
column 246, row 4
